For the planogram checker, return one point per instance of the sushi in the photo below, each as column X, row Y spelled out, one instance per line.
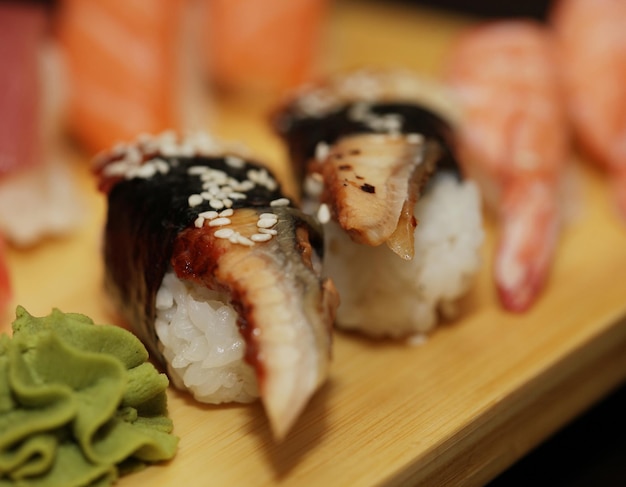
column 38, row 196
column 278, row 41
column 217, row 272
column 590, row 38
column 514, row 140
column 138, row 58
column 374, row 154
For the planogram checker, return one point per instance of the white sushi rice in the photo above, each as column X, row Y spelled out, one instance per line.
column 384, row 295
column 201, row 343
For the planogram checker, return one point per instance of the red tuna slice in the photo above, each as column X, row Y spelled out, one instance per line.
column 21, row 30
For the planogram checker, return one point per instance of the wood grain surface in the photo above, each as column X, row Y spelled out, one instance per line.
column 456, row 410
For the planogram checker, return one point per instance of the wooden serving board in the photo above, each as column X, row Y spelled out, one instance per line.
column 456, row 410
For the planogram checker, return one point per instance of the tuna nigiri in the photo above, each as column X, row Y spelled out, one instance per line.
column 37, row 193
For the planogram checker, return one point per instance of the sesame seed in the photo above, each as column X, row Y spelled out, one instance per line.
column 244, row 241
column 217, row 204
column 279, row 202
column 133, row 155
column 415, row 138
column 359, row 111
column 196, row 170
column 271, row 184
column 323, row 213
column 268, row 215
column 253, row 175
column 209, row 215
column 199, row 222
column 262, row 178
column 227, row 202
column 245, row 185
column 218, row 222
column 169, row 148
column 145, row 171
column 224, row 233
column 119, row 168
column 313, row 184
column 261, row 237
column 195, row 200
column 228, row 212
column 266, row 222
column 269, row 231
column 321, row 151
column 234, row 161
column 162, row 166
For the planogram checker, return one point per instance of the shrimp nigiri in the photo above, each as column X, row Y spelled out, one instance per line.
column 592, row 42
column 514, row 140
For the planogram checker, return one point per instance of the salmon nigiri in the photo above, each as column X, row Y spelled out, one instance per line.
column 513, row 139
column 124, row 67
column 267, row 46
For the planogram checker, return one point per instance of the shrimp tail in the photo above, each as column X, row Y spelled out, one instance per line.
column 530, row 228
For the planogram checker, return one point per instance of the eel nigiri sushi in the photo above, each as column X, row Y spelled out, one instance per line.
column 217, row 272
column 374, row 150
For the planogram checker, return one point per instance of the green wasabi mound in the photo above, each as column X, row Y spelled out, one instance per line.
column 79, row 403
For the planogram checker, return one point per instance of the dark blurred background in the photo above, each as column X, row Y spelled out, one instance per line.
column 491, row 8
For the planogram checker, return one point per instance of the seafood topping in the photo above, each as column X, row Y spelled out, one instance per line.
column 514, row 141
column 304, row 132
column 373, row 159
column 221, row 221
column 371, row 182
column 285, row 310
column 592, row 48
